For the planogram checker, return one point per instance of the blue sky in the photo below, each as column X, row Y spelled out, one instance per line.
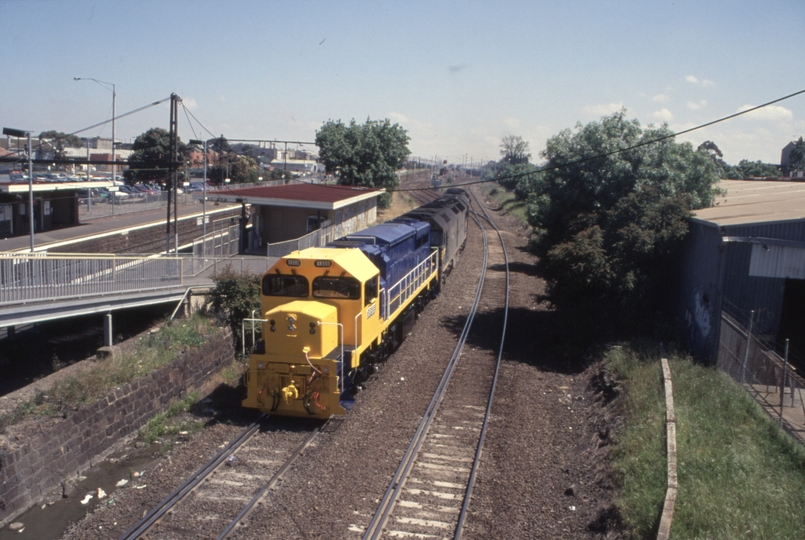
column 457, row 75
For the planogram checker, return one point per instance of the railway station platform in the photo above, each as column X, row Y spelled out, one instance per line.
column 52, row 239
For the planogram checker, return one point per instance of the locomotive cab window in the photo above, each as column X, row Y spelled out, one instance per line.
column 285, row 285
column 370, row 291
column 336, row 287
column 421, row 241
column 435, row 238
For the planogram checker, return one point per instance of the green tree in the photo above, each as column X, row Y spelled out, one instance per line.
column 757, row 169
column 235, row 297
column 239, row 170
column 60, row 141
column 150, row 159
column 796, row 159
column 607, row 215
column 514, row 150
column 367, row 154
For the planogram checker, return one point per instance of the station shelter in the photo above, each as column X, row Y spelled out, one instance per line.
column 55, row 206
column 290, row 211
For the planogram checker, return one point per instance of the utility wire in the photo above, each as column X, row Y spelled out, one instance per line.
column 618, row 151
column 189, row 123
column 199, row 123
column 119, row 116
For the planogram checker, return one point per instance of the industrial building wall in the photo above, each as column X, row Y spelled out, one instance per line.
column 698, row 297
column 756, row 282
column 718, row 271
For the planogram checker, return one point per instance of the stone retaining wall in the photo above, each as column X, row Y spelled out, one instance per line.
column 32, row 471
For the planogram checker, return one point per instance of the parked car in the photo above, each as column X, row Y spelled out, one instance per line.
column 131, row 191
column 142, row 188
column 107, row 195
column 84, row 194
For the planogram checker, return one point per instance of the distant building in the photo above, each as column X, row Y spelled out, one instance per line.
column 785, row 162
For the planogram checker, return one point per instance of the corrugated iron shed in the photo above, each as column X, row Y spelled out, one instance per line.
column 744, row 254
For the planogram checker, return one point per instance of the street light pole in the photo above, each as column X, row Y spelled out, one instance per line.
column 31, row 222
column 114, row 100
column 204, row 199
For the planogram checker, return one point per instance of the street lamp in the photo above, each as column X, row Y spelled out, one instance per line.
column 114, row 97
column 204, row 197
column 21, row 133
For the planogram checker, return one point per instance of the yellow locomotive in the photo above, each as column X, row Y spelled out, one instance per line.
column 328, row 315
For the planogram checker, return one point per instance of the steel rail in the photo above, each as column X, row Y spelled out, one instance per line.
column 477, row 461
column 375, row 528
column 244, row 513
column 171, row 500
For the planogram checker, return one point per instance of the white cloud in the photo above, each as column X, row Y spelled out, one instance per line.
column 663, row 115
column 699, row 82
column 771, row 112
column 660, row 98
column 190, row 103
column 603, row 109
column 512, row 122
column 696, row 106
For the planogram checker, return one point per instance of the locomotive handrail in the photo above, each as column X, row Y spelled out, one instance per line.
column 243, row 332
column 357, row 338
column 410, row 282
column 341, row 356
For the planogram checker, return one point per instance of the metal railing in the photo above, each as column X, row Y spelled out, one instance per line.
column 317, row 238
column 217, row 243
column 41, row 277
column 36, row 277
column 399, row 293
column 767, row 376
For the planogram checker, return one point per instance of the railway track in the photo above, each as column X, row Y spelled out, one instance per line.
column 430, row 493
column 421, row 190
column 222, row 493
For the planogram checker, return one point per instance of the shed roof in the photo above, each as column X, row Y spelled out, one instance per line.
column 756, row 201
column 315, row 196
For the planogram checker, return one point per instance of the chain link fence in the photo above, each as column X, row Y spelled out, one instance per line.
column 749, row 354
column 115, row 205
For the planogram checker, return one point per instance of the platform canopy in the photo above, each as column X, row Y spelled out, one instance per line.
column 312, row 196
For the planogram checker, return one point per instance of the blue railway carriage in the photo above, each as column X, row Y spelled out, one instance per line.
column 329, row 314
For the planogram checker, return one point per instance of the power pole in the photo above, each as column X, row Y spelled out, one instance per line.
column 173, row 178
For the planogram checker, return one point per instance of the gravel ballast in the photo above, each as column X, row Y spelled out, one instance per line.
column 544, row 471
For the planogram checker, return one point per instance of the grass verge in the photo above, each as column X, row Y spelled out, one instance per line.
column 506, row 201
column 739, row 475
column 151, row 352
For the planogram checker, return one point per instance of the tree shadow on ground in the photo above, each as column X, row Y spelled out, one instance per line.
column 531, row 338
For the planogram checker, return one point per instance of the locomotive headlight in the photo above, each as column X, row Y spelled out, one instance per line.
column 291, row 319
column 291, row 327
column 313, row 328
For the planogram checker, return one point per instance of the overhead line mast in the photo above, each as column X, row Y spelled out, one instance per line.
column 173, row 179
